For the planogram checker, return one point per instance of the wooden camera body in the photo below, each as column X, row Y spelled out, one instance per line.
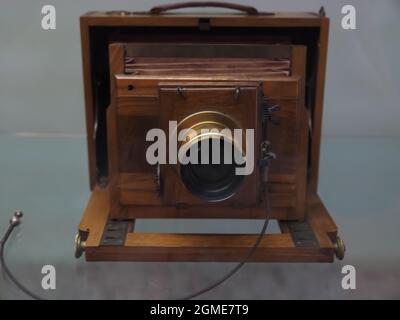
column 247, row 70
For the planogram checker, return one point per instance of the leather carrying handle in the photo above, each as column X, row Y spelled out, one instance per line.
column 214, row 4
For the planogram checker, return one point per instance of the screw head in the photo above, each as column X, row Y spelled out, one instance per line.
column 18, row 214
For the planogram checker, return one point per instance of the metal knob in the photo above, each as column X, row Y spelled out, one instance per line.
column 340, row 248
column 79, row 246
column 16, row 219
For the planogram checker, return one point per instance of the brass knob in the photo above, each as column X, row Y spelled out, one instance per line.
column 79, row 246
column 340, row 248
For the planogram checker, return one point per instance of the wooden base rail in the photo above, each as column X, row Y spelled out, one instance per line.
column 103, row 239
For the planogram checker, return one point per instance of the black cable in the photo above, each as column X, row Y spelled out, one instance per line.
column 15, row 221
column 241, row 263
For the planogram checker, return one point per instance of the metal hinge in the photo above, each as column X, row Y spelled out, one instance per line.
column 265, row 155
column 268, row 111
column 302, row 234
column 115, row 233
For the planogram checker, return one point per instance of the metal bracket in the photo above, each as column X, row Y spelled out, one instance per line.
column 115, row 233
column 204, row 24
column 266, row 156
column 302, row 234
column 268, row 111
column 322, row 12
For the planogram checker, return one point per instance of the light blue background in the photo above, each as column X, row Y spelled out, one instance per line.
column 43, row 166
column 41, row 82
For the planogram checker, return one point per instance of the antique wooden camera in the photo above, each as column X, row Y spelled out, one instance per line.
column 249, row 70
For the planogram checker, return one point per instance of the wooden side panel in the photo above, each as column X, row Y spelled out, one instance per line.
column 319, row 101
column 116, row 56
column 132, row 144
column 95, row 216
column 299, row 63
column 139, row 189
column 283, row 134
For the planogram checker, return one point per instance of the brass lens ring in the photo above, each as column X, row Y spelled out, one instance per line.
column 210, row 181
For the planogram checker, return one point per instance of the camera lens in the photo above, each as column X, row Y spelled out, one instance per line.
column 214, row 177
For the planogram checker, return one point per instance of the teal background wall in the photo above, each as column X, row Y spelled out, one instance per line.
column 41, row 78
column 43, row 164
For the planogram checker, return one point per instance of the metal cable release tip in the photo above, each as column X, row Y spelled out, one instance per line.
column 16, row 219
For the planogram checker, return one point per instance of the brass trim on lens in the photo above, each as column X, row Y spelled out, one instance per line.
column 205, row 136
column 215, row 122
column 208, row 116
column 209, row 120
